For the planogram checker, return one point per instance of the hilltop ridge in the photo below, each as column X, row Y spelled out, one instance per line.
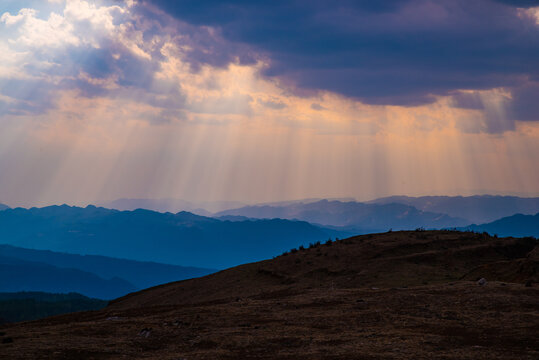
column 396, row 295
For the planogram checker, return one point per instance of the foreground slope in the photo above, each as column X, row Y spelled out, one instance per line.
column 394, row 295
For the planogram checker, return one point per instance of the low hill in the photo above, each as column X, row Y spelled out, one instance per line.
column 393, row 259
column 179, row 239
column 140, row 274
column 3, row 207
column 355, row 216
column 25, row 306
column 397, row 295
column 19, row 275
column 477, row 209
column 516, row 225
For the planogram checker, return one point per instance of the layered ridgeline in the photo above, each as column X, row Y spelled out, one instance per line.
column 353, row 216
column 19, row 275
column 477, row 209
column 90, row 275
column 204, row 208
column 182, row 238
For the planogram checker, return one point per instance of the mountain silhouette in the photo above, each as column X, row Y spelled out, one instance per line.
column 354, row 216
column 140, row 274
column 518, row 225
column 181, row 239
column 477, row 209
column 204, row 208
column 19, row 275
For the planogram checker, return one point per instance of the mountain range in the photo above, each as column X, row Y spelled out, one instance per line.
column 18, row 275
column 203, row 208
column 518, row 225
column 476, row 209
column 180, row 239
column 95, row 276
column 353, row 216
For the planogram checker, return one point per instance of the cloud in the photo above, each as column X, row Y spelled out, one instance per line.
column 467, row 100
column 525, row 102
column 405, row 52
column 274, row 104
column 97, row 50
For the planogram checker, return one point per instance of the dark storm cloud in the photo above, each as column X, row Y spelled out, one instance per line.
column 525, row 104
column 468, row 101
column 381, row 52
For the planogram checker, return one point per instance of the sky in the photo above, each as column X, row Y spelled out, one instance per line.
column 260, row 101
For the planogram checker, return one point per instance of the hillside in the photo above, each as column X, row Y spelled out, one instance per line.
column 477, row 209
column 393, row 259
column 181, row 239
column 516, row 225
column 140, row 274
column 3, row 207
column 397, row 295
column 359, row 217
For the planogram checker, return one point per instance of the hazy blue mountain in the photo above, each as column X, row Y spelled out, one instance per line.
column 26, row 306
column 478, row 209
column 204, row 208
column 299, row 201
column 19, row 275
column 182, row 238
column 140, row 274
column 351, row 215
column 3, row 207
column 518, row 225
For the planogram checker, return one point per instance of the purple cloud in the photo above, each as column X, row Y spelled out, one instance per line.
column 403, row 52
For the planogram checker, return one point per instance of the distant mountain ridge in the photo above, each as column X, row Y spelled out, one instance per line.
column 477, row 209
column 182, row 238
column 518, row 225
column 4, row 207
column 352, row 215
column 140, row 274
column 19, row 275
column 203, row 208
